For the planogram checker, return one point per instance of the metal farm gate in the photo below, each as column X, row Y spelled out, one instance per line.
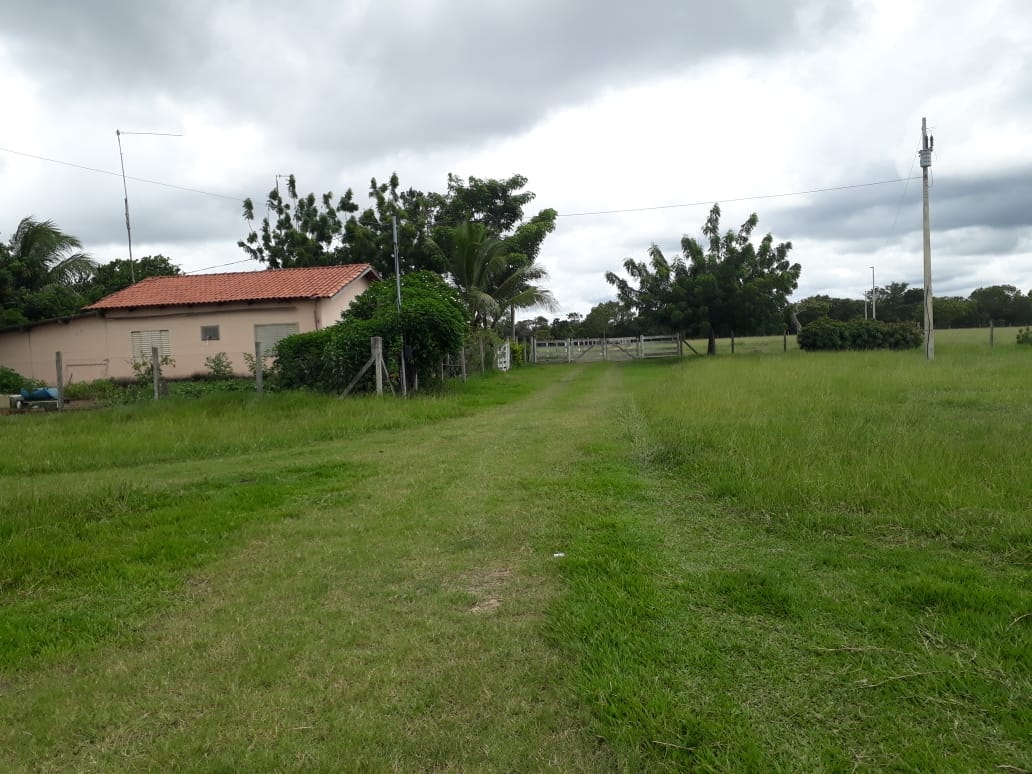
column 596, row 350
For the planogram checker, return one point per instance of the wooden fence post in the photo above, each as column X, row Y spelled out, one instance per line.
column 641, row 348
column 60, row 381
column 569, row 350
column 377, row 350
column 785, row 343
column 259, row 366
column 680, row 345
column 155, row 370
column 605, row 348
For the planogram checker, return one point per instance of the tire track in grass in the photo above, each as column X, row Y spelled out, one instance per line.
column 395, row 622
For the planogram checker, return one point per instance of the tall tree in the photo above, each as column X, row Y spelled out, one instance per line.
column 1002, row 304
column 493, row 281
column 298, row 231
column 722, row 285
column 370, row 236
column 610, row 319
column 43, row 273
column 118, row 274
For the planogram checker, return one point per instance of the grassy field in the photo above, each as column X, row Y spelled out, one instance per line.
column 817, row 562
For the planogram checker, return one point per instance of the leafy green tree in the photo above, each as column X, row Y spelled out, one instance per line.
column 43, row 273
column 724, row 285
column 1003, row 304
column 495, row 204
column 609, row 319
column 953, row 312
column 370, row 236
column 118, row 274
column 299, row 230
column 432, row 321
column 306, row 231
column 898, row 302
column 813, row 308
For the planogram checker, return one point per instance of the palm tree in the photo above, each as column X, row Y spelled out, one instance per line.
column 39, row 254
column 43, row 273
column 493, row 280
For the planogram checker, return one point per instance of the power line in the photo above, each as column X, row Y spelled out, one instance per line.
column 899, row 204
column 219, row 266
column 561, row 214
column 734, row 199
column 118, row 174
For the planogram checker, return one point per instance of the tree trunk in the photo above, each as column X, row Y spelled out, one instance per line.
column 711, row 345
column 482, row 364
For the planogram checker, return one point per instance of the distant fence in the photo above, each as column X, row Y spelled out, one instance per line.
column 597, row 350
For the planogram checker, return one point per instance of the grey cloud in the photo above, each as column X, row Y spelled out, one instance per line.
column 387, row 75
column 871, row 218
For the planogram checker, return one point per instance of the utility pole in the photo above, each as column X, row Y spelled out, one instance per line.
column 874, row 294
column 927, row 144
column 397, row 279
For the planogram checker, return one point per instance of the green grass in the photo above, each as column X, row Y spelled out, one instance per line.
column 804, row 562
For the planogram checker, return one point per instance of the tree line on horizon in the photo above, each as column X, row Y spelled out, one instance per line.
column 474, row 233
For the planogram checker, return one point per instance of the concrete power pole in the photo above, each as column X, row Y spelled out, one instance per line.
column 927, row 144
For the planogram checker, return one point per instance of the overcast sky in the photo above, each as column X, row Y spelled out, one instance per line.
column 603, row 105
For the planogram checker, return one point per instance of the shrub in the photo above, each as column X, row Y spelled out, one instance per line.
column 827, row 334
column 144, row 369
column 517, row 353
column 1025, row 336
column 301, row 361
column 252, row 365
column 433, row 321
column 822, row 333
column 219, row 366
column 11, row 381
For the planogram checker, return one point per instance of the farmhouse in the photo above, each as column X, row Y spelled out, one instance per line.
column 189, row 319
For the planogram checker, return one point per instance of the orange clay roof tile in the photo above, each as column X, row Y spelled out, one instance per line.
column 274, row 284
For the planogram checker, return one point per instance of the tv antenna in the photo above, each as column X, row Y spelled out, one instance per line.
column 125, row 190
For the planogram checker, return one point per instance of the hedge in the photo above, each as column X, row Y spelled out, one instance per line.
column 827, row 334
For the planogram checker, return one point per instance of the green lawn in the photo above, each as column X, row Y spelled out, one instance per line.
column 802, row 562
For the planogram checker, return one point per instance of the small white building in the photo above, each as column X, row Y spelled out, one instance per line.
column 189, row 318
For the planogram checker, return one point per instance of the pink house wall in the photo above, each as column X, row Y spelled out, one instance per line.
column 96, row 347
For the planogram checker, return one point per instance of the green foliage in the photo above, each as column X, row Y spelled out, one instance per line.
column 143, row 369
column 433, row 322
column 494, row 281
column 828, row 334
column 43, row 273
column 306, row 231
column 301, row 361
column 728, row 285
column 252, row 365
column 11, row 381
column 119, row 274
column 219, row 366
column 517, row 353
column 1025, row 336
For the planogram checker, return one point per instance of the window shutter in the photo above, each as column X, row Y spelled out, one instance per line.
column 144, row 341
column 271, row 335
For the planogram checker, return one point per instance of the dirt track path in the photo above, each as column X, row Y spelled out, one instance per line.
column 392, row 620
